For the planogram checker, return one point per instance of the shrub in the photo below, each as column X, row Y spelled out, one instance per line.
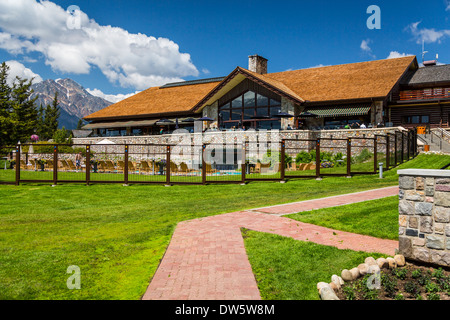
column 400, row 273
column 434, row 296
column 303, row 157
column 412, row 288
column 362, row 157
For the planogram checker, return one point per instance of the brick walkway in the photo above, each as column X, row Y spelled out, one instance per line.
column 206, row 258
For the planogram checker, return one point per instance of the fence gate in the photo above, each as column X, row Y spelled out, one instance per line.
column 224, row 163
column 363, row 155
column 334, row 156
column 300, row 158
column 264, row 161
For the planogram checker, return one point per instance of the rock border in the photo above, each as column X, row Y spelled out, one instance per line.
column 370, row 266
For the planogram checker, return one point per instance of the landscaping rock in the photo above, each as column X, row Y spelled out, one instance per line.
column 382, row 263
column 400, row 260
column 346, row 275
column 338, row 280
column 328, row 294
column 370, row 261
column 322, row 285
column 374, row 269
column 392, row 263
column 363, row 268
column 334, row 286
column 355, row 273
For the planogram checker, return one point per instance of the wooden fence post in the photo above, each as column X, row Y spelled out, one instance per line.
column 375, row 154
column 283, row 160
column 318, row 158
column 388, row 152
column 125, row 170
column 55, row 165
column 88, row 164
column 203, row 164
column 349, row 157
column 17, row 164
column 168, row 165
column 244, row 163
column 395, row 149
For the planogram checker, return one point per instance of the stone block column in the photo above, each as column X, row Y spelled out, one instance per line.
column 424, row 215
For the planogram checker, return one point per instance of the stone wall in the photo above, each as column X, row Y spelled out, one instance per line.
column 424, row 215
column 241, row 135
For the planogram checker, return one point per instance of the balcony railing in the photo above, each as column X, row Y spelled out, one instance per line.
column 424, row 94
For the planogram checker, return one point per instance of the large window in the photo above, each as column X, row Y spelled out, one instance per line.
column 250, row 109
column 416, row 119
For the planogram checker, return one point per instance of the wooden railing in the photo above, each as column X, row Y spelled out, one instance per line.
column 425, row 94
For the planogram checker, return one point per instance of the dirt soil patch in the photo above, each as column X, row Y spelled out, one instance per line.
column 411, row 282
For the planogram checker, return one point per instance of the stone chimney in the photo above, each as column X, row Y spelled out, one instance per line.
column 257, row 64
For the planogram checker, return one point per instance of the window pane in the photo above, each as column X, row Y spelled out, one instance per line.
column 225, row 115
column 225, row 106
column 236, row 114
column 274, row 102
column 249, row 113
column 230, row 125
column 263, row 112
column 425, row 119
column 237, row 103
column 275, row 110
column 268, row 125
column 249, row 99
column 262, row 101
column 415, row 119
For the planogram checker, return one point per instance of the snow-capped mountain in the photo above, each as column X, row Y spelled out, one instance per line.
column 75, row 102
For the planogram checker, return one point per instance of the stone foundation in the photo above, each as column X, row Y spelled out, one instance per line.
column 424, row 215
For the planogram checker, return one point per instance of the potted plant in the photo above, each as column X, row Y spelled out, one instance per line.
column 41, row 163
column 161, row 163
column 94, row 165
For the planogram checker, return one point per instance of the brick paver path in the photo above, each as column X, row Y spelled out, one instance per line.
column 206, row 258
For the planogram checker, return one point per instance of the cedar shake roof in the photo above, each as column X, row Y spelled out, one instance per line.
column 364, row 80
column 155, row 101
column 355, row 81
column 428, row 75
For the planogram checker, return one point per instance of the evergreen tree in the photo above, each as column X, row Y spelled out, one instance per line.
column 5, row 105
column 51, row 116
column 23, row 113
column 40, row 127
column 79, row 124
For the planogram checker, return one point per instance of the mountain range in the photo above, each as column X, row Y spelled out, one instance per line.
column 74, row 101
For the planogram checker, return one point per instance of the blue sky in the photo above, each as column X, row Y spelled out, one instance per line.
column 121, row 47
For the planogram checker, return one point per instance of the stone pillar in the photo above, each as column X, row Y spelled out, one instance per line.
column 376, row 115
column 424, row 215
column 212, row 111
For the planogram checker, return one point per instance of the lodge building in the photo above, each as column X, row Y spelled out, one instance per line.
column 391, row 92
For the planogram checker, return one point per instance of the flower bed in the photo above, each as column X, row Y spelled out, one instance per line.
column 410, row 282
column 388, row 279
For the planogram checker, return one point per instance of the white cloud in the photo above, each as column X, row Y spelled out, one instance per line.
column 131, row 60
column 114, row 98
column 16, row 69
column 427, row 35
column 396, row 54
column 447, row 3
column 365, row 47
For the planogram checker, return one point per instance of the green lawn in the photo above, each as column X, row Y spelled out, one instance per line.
column 288, row 269
column 376, row 218
column 117, row 235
